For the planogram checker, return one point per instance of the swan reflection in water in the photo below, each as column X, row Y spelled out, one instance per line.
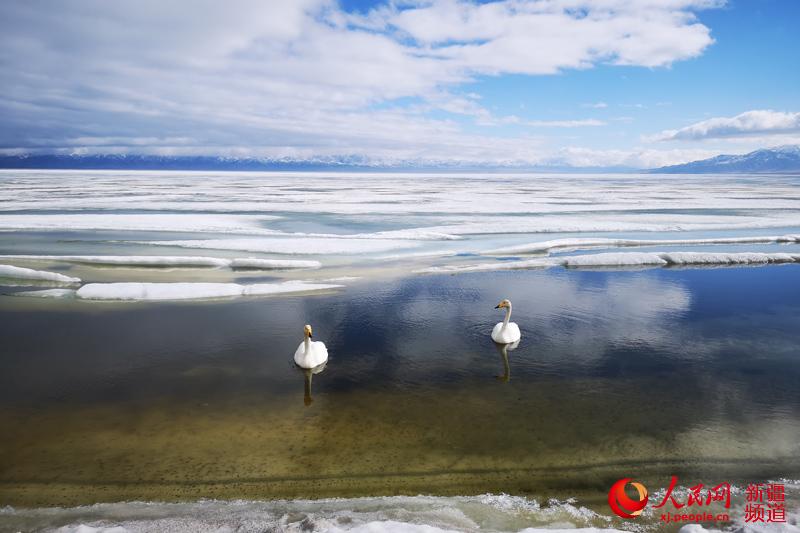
column 503, row 350
column 308, row 373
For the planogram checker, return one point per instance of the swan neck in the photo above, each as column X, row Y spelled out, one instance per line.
column 307, row 343
column 508, row 316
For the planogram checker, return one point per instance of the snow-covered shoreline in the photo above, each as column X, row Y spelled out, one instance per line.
column 493, row 513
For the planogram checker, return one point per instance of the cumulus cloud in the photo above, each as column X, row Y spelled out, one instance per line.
column 757, row 123
column 543, row 37
column 305, row 79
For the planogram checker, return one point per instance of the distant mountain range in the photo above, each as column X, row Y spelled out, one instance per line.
column 215, row 163
column 783, row 159
column 160, row 162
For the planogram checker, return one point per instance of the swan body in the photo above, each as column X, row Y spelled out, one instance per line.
column 310, row 353
column 506, row 332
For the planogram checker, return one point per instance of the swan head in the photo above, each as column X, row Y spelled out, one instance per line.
column 307, row 331
column 504, row 304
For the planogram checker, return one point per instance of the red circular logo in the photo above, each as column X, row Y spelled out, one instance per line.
column 622, row 504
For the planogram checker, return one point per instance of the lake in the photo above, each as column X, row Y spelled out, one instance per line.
column 643, row 370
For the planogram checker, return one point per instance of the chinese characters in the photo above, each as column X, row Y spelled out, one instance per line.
column 766, row 502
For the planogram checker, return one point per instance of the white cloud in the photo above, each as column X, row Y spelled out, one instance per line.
column 565, row 123
column 467, row 105
column 596, row 105
column 635, row 158
column 543, row 37
column 303, row 79
column 757, row 123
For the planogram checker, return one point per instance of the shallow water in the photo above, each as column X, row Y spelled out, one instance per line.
column 646, row 374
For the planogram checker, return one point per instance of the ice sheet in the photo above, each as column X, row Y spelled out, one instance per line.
column 172, row 261
column 292, row 246
column 190, row 291
column 613, row 259
column 626, row 259
column 386, row 193
column 13, row 272
column 599, row 242
column 179, row 223
column 48, row 293
column 630, row 221
column 358, row 218
column 740, row 258
column 192, row 223
column 491, row 267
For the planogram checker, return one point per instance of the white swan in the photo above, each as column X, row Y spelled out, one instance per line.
column 505, row 332
column 310, row 353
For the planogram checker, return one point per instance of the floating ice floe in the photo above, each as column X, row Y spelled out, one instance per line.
column 740, row 258
column 136, row 291
column 13, row 272
column 612, row 259
column 172, row 261
column 305, row 245
column 584, row 243
column 627, row 259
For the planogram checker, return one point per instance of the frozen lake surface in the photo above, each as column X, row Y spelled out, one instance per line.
column 178, row 227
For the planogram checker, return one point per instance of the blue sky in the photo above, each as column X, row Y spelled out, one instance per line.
column 510, row 82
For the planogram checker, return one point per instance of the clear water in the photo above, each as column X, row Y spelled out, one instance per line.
column 646, row 374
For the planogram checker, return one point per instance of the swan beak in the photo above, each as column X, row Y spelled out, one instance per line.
column 310, row 336
column 497, row 306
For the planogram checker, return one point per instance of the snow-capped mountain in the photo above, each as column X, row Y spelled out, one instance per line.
column 217, row 163
column 783, row 159
column 162, row 162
